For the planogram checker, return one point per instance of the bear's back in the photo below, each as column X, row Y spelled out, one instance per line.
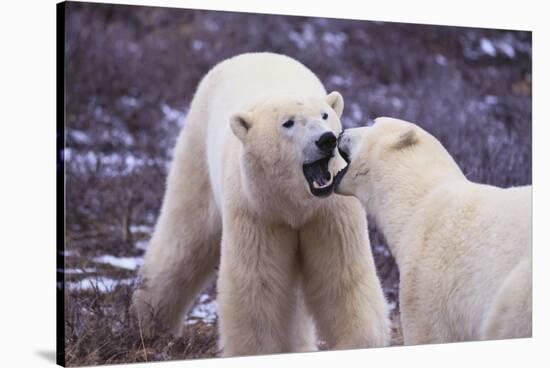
column 244, row 80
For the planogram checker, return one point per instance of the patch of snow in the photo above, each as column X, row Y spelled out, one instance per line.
column 440, row 59
column 303, row 39
column 142, row 244
column 69, row 253
column 79, row 136
column 396, row 103
column 335, row 41
column 205, row 310
column 66, row 154
column 101, row 115
column 380, row 249
column 134, row 48
column 356, row 113
column 70, row 271
column 338, row 80
column 491, row 100
column 141, row 229
column 102, row 284
column 211, row 25
column 506, row 48
column 521, row 46
column 487, row 47
column 507, row 45
column 197, row 45
column 126, row 138
column 173, row 115
column 131, row 162
column 130, row 101
column 113, row 163
column 129, row 263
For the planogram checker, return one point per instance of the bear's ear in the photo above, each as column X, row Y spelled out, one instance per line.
column 240, row 125
column 406, row 139
column 336, row 101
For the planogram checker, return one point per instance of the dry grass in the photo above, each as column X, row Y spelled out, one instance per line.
column 99, row 329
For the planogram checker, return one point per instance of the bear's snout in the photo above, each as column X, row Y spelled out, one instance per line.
column 327, row 142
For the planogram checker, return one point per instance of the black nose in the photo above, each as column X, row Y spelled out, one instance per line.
column 327, row 142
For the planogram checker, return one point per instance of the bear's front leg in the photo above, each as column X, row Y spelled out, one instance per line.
column 256, row 284
column 341, row 286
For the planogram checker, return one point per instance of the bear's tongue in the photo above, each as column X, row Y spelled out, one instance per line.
column 321, row 179
column 318, row 173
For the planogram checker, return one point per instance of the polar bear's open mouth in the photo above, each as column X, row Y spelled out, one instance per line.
column 320, row 178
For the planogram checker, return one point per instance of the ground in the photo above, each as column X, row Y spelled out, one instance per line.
column 131, row 73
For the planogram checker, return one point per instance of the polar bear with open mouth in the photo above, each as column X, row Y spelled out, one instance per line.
column 463, row 249
column 250, row 189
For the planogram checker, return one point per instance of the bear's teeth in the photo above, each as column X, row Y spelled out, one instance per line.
column 316, row 185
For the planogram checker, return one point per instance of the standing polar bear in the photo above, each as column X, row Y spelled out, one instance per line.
column 257, row 153
column 463, row 249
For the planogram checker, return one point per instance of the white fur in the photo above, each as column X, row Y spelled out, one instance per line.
column 287, row 257
column 463, row 249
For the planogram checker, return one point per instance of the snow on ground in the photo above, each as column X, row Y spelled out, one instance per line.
column 304, row 38
column 379, row 248
column 102, row 284
column 334, row 42
column 141, row 229
column 204, row 311
column 72, row 271
column 130, row 101
column 487, row 47
column 114, row 163
column 339, row 80
column 69, row 253
column 141, row 244
column 173, row 115
column 440, row 59
column 197, row 45
column 505, row 45
column 79, row 136
column 129, row 263
column 356, row 113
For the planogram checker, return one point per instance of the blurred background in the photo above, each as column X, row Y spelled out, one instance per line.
column 131, row 72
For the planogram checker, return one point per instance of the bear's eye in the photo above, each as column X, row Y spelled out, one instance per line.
column 325, row 116
column 289, row 123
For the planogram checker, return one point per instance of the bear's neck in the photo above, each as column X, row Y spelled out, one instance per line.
column 274, row 200
column 396, row 198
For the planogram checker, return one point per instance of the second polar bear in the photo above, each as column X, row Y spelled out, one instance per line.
column 256, row 155
column 463, row 249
